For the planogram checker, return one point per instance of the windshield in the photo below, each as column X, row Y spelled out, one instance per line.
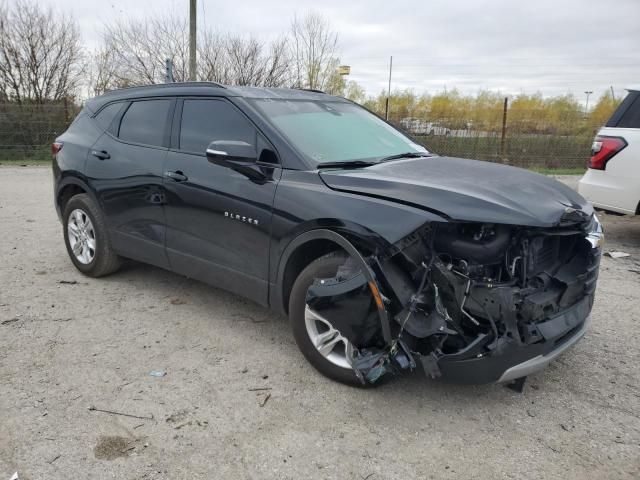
column 335, row 131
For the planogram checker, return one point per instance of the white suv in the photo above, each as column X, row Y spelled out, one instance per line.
column 613, row 179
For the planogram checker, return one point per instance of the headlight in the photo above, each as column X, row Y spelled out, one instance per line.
column 596, row 235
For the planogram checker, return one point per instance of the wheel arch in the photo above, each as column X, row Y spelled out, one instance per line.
column 67, row 188
column 313, row 244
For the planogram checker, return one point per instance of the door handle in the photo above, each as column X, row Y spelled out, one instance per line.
column 100, row 154
column 177, row 176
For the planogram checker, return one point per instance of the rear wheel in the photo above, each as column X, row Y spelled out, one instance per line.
column 87, row 239
column 321, row 344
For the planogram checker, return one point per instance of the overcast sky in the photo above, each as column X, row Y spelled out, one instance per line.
column 551, row 46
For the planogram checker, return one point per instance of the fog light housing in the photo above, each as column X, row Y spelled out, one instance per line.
column 596, row 236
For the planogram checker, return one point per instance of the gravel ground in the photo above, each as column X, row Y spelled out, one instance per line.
column 68, row 343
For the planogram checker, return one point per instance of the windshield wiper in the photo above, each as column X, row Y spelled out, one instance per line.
column 405, row 155
column 347, row 164
column 368, row 163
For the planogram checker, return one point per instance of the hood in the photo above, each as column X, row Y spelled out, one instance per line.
column 465, row 190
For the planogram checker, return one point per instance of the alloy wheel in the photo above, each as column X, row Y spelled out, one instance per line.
column 82, row 236
column 327, row 340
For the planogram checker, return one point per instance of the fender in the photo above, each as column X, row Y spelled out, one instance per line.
column 303, row 203
column 360, row 234
column 363, row 237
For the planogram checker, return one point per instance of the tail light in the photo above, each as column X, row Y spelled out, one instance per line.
column 604, row 149
column 55, row 148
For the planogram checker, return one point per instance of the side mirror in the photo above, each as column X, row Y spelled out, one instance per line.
column 223, row 152
column 236, row 155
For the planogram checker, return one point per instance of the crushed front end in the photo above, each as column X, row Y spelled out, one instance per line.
column 466, row 302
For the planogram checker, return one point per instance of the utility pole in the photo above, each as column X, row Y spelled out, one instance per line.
column 586, row 105
column 386, row 109
column 192, row 40
column 613, row 95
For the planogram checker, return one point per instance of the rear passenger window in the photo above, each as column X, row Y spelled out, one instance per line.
column 631, row 117
column 204, row 121
column 145, row 122
column 107, row 114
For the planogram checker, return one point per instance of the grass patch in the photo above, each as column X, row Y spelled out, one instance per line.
column 560, row 171
column 25, row 163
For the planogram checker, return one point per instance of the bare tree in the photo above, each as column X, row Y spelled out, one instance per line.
column 102, row 73
column 314, row 50
column 40, row 53
column 244, row 58
column 213, row 64
column 251, row 63
column 137, row 51
column 277, row 65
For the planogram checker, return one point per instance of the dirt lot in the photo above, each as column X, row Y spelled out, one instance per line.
column 68, row 343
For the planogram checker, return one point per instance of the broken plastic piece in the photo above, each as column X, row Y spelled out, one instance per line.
column 617, row 254
column 157, row 373
column 371, row 365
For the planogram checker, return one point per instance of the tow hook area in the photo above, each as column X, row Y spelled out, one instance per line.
column 517, row 385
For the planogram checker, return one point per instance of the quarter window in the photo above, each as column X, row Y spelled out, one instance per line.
column 145, row 121
column 205, row 121
column 107, row 114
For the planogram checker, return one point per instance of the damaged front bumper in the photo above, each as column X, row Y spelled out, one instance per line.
column 513, row 361
column 465, row 303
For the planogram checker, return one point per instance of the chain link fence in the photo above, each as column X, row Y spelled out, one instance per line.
column 27, row 130
column 530, row 140
column 527, row 139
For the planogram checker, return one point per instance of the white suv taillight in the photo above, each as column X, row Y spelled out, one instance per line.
column 604, row 149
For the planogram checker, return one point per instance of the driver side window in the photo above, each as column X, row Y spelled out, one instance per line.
column 208, row 120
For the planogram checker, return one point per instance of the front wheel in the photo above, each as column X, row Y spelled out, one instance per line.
column 87, row 239
column 321, row 344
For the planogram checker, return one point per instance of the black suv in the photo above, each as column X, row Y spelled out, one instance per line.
column 385, row 257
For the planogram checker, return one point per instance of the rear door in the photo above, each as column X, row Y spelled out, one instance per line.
column 218, row 220
column 125, row 168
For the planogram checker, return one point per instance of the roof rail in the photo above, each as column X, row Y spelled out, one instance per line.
column 314, row 90
column 195, row 82
column 169, row 85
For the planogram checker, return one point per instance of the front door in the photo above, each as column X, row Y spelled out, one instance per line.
column 218, row 220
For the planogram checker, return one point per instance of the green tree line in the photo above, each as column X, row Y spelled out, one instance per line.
column 526, row 113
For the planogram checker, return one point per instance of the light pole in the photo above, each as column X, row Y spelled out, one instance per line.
column 586, row 105
column 386, row 109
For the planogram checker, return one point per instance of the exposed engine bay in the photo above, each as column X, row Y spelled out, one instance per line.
column 463, row 301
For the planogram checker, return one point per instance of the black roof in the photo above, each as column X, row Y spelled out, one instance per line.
column 205, row 89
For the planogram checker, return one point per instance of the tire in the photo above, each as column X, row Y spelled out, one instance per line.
column 100, row 260
column 323, row 267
